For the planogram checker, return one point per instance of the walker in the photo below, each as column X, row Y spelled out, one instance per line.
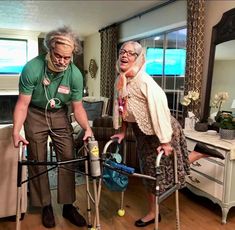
column 22, row 163
column 95, row 164
column 158, row 198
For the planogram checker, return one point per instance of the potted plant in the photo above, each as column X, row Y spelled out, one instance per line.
column 216, row 106
column 227, row 126
column 217, row 102
column 194, row 122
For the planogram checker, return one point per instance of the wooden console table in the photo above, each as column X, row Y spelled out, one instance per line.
column 211, row 177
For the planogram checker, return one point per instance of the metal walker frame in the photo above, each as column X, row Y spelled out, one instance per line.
column 159, row 197
column 96, row 163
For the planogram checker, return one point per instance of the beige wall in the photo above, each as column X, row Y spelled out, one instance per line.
column 92, row 51
column 162, row 19
column 10, row 82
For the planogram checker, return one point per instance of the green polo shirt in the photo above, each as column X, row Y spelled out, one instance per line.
column 64, row 87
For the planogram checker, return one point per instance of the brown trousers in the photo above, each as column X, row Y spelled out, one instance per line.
column 37, row 130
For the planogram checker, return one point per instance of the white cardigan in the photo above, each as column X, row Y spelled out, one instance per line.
column 148, row 103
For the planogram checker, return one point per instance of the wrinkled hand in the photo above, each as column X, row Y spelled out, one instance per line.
column 119, row 136
column 17, row 138
column 166, row 147
column 88, row 133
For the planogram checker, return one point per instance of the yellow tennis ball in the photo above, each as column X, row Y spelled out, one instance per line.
column 121, row 212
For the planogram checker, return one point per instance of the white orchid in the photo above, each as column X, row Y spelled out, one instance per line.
column 219, row 98
column 194, row 95
column 185, row 101
column 191, row 96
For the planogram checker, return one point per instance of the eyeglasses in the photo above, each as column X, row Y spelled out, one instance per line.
column 129, row 53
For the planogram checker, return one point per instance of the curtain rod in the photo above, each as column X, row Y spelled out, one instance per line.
column 139, row 14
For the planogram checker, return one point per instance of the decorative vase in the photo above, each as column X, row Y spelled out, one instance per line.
column 189, row 123
column 215, row 126
column 227, row 134
column 201, row 126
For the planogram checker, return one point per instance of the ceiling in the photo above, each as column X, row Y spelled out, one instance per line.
column 85, row 17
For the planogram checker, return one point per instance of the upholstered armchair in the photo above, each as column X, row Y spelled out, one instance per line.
column 103, row 130
column 102, row 126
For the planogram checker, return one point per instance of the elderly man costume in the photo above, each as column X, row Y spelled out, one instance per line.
column 48, row 83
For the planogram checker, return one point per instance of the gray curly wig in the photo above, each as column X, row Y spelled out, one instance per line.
column 65, row 33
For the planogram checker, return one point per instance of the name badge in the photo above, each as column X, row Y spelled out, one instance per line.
column 63, row 89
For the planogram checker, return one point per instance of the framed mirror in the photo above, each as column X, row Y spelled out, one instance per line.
column 221, row 68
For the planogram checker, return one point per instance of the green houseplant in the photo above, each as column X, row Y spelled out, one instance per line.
column 227, row 126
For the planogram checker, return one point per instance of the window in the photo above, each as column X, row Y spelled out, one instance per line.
column 174, row 61
column 13, row 55
column 165, row 62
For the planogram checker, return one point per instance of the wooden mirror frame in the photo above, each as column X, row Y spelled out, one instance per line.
column 223, row 31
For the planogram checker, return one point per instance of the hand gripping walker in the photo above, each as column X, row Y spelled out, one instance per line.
column 22, row 163
column 158, row 198
column 19, row 188
column 92, row 152
column 92, row 159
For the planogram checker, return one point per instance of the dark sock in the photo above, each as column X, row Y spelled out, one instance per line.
column 202, row 148
column 68, row 206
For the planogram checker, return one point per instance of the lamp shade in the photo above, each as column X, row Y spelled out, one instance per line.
column 233, row 104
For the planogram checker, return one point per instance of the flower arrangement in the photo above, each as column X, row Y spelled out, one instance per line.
column 191, row 119
column 191, row 96
column 217, row 102
column 227, row 121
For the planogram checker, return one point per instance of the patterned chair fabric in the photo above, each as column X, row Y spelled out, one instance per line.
column 93, row 109
column 103, row 130
column 105, row 100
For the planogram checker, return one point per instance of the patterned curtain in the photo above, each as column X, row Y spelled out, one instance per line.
column 109, row 42
column 195, row 51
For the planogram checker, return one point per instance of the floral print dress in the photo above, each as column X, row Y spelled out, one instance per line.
column 146, row 150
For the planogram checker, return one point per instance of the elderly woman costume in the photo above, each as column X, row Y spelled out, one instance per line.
column 140, row 101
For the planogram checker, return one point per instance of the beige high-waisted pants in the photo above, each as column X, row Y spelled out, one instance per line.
column 36, row 132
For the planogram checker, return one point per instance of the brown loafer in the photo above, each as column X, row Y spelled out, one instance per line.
column 48, row 219
column 71, row 214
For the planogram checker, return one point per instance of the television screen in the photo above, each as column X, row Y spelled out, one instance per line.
column 13, row 55
column 174, row 61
